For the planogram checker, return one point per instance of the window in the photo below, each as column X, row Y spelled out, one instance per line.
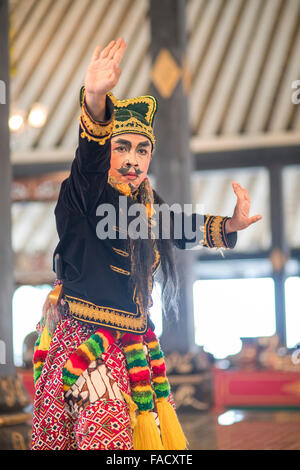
column 292, row 304
column 27, row 307
column 291, row 185
column 212, row 190
column 229, row 309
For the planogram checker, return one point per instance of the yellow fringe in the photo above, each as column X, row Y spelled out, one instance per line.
column 142, row 388
column 146, row 434
column 55, row 294
column 45, row 339
column 132, row 408
column 159, row 380
column 86, row 350
column 132, row 347
column 172, row 434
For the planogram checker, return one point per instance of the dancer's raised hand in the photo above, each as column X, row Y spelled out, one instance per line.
column 240, row 219
column 102, row 75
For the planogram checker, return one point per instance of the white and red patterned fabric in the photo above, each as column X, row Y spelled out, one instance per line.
column 93, row 414
column 104, row 424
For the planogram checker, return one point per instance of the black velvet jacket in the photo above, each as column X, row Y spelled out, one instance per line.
column 95, row 272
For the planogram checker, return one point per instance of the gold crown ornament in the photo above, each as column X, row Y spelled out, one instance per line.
column 133, row 115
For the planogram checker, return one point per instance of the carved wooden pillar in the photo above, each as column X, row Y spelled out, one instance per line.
column 172, row 162
column 279, row 253
column 14, row 429
column 6, row 258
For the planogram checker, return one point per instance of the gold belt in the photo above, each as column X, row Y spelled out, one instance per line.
column 107, row 317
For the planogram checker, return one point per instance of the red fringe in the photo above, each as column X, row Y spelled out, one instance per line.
column 143, row 376
column 79, row 360
column 39, row 355
column 128, row 339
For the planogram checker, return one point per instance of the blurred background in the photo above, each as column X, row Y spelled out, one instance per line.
column 227, row 77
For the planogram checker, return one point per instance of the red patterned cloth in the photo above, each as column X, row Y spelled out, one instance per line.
column 104, row 424
column 93, row 414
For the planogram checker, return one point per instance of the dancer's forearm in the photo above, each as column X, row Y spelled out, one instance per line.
column 102, row 75
column 96, row 106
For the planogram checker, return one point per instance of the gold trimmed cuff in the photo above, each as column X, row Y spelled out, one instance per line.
column 215, row 235
column 95, row 130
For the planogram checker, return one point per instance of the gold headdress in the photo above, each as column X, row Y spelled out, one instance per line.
column 135, row 116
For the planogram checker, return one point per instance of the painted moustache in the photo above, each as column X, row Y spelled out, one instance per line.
column 124, row 170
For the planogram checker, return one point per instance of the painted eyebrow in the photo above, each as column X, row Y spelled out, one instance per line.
column 122, row 141
column 145, row 143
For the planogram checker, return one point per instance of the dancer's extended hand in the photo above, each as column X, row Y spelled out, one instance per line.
column 102, row 75
column 240, row 219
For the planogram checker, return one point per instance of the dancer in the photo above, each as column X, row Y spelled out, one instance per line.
column 99, row 371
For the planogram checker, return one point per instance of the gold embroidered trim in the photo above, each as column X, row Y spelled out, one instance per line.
column 119, row 270
column 89, row 312
column 120, row 252
column 132, row 124
column 207, row 218
column 100, row 141
column 96, row 129
column 112, row 310
column 216, row 231
column 138, row 99
column 93, row 130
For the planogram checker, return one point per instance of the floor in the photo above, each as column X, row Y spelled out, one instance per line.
column 242, row 429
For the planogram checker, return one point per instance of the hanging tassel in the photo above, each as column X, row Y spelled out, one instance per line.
column 132, row 408
column 146, row 434
column 172, row 434
column 171, row 431
column 40, row 353
column 45, row 339
column 51, row 314
column 51, row 308
column 55, row 294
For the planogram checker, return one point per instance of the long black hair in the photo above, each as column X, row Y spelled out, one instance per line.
column 143, row 252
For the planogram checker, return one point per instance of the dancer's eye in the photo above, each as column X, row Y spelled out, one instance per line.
column 121, row 148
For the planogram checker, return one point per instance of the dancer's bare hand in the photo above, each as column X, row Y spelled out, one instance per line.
column 102, row 75
column 240, row 219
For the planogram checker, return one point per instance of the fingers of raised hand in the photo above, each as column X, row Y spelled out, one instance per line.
column 254, row 218
column 117, row 50
column 246, row 195
column 119, row 54
column 107, row 49
column 240, row 192
column 96, row 53
column 109, row 52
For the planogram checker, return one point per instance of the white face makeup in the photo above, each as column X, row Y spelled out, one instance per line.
column 130, row 158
